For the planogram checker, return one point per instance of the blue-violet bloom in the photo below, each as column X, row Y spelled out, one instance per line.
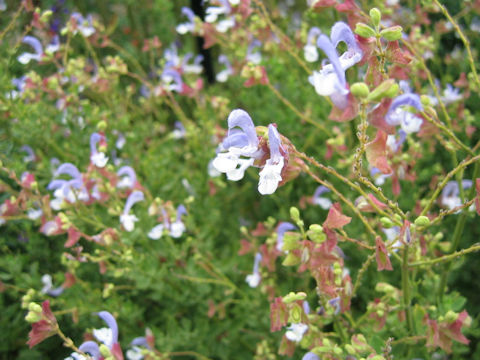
column 330, row 80
column 398, row 115
column 126, row 219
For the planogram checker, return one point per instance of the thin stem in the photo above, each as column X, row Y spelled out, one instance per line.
column 361, row 272
column 464, row 40
column 406, row 291
column 473, row 248
column 296, row 111
column 285, row 40
column 439, row 188
column 462, row 219
column 352, row 185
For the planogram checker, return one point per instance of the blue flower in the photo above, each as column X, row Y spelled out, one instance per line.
column 330, row 80
column 317, row 199
column 126, row 219
column 223, row 75
column 97, row 158
column 398, row 115
column 281, row 230
column 32, row 41
column 241, row 145
column 270, row 176
column 310, row 49
column 189, row 26
column 254, row 279
column 127, row 176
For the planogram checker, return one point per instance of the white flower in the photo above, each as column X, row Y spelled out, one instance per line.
column 99, row 159
column 270, row 177
column 177, row 228
column 134, row 353
column 324, row 203
column 253, row 280
column 157, row 232
column 104, row 335
column 34, row 214
column 310, row 53
column 238, row 173
column 295, row 332
column 128, row 221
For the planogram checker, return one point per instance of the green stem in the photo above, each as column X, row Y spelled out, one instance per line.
column 406, row 291
column 457, row 234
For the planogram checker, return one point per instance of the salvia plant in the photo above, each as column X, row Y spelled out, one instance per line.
column 236, row 179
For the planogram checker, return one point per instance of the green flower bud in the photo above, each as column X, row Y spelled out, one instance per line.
column 375, row 16
column 364, row 30
column 388, row 88
column 425, row 100
column 290, row 241
column 337, row 350
column 291, row 297
column 392, row 33
column 384, row 287
column 34, row 307
column 102, row 125
column 291, row 260
column 105, row 351
column 295, row 314
column 386, row 222
column 350, row 349
column 295, row 214
column 33, row 317
column 360, row 90
column 451, row 316
column 422, row 221
column 316, row 234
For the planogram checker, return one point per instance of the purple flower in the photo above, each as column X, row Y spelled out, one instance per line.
column 281, row 230
column 178, row 227
column 450, row 194
column 310, row 49
column 254, row 279
column 398, row 115
column 378, row 176
column 213, row 12
column 48, row 287
column 69, row 190
column 241, row 145
column 223, row 75
column 395, row 144
column 254, row 57
column 32, row 41
column 172, row 80
column 310, row 356
column 84, row 25
column 126, row 219
column 189, row 26
column 108, row 336
column 91, row 348
column 30, row 153
column 196, row 67
column 317, row 199
column 330, row 80
column 127, row 176
column 270, row 175
column 54, row 45
column 175, row 229
column 295, row 332
column 97, row 158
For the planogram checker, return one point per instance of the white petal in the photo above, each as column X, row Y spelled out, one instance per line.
column 253, row 280
column 156, row 233
column 270, row 177
column 225, row 162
